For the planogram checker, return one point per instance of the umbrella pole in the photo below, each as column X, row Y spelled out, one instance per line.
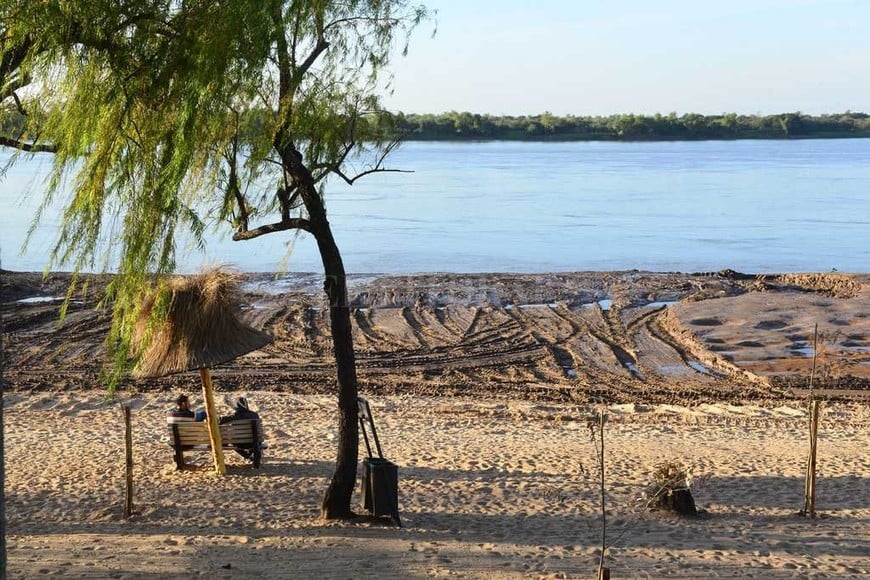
column 214, row 433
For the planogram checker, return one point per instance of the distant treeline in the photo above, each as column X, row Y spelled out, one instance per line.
column 470, row 126
column 547, row 127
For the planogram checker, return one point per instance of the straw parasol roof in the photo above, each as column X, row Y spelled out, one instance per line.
column 201, row 328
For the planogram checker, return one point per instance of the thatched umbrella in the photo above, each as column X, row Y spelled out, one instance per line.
column 192, row 323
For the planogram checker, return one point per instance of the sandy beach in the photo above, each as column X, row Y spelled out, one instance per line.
column 488, row 489
column 482, row 387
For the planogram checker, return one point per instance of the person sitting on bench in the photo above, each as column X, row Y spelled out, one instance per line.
column 182, row 412
column 242, row 412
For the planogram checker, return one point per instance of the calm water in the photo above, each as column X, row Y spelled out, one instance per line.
column 754, row 206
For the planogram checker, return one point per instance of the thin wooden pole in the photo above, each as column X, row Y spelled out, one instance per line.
column 810, row 508
column 214, row 432
column 603, row 573
column 128, row 447
column 810, row 482
column 815, row 358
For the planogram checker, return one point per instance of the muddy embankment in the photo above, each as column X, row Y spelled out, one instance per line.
column 589, row 336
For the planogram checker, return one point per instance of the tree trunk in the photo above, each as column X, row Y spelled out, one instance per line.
column 336, row 502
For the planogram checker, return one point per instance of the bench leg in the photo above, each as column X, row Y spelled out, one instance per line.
column 179, row 458
column 258, row 455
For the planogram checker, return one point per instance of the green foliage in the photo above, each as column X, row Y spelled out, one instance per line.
column 628, row 127
column 170, row 117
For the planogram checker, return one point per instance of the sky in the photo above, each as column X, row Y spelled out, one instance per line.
column 602, row 57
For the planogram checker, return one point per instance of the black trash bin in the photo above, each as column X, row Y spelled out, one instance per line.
column 380, row 487
column 379, row 481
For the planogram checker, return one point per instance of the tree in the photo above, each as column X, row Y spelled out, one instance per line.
column 2, row 453
column 173, row 115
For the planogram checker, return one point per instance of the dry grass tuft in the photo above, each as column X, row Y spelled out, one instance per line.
column 671, row 488
column 193, row 322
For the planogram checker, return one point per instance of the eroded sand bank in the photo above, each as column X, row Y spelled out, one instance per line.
column 615, row 337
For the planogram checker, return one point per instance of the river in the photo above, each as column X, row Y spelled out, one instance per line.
column 752, row 206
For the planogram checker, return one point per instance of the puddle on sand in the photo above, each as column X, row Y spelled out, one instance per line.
column 674, row 370
column 689, row 368
column 39, row 299
column 800, row 349
column 699, row 367
column 632, row 368
column 857, row 348
column 604, row 304
column 660, row 304
column 531, row 305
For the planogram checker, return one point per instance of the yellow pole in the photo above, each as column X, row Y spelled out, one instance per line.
column 214, row 433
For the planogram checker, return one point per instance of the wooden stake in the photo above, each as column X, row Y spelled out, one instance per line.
column 214, row 432
column 603, row 573
column 815, row 358
column 128, row 446
column 810, row 504
column 810, row 482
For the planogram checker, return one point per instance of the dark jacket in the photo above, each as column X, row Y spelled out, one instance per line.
column 239, row 415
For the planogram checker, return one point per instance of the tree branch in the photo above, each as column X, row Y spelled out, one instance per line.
column 350, row 180
column 282, row 48
column 283, row 225
column 309, row 61
column 300, row 70
column 332, row 167
column 284, row 202
column 336, row 168
column 29, row 147
column 233, row 186
column 11, row 59
column 294, row 196
column 18, row 104
column 340, row 21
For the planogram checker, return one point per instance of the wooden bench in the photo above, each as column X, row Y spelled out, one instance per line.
column 193, row 435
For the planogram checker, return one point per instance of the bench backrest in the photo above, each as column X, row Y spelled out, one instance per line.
column 196, row 432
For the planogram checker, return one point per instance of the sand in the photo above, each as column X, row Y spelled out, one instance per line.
column 617, row 337
column 487, row 489
column 482, row 387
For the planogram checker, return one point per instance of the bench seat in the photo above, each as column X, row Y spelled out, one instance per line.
column 191, row 435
